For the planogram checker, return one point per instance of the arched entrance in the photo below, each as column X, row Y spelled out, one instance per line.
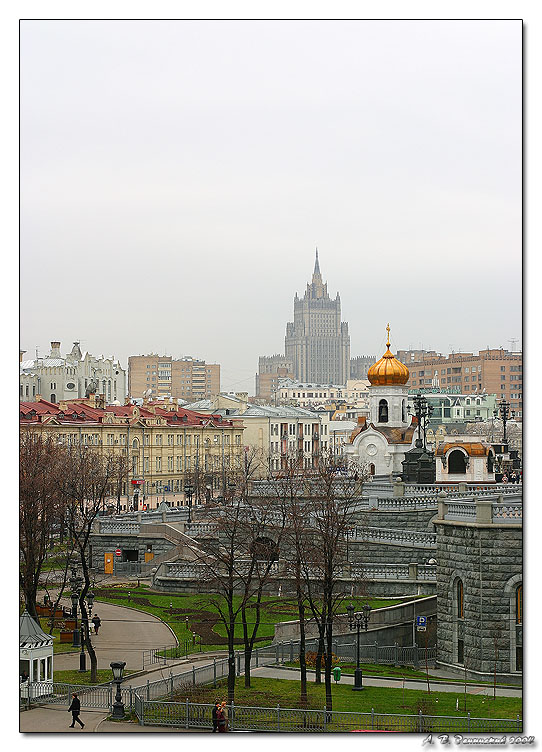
column 457, row 463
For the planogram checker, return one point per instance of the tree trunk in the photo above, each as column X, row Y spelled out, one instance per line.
column 302, row 656
column 231, row 658
column 327, row 664
column 318, row 664
column 247, row 647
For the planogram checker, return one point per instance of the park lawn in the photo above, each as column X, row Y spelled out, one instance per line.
column 74, row 677
column 203, row 614
column 285, row 692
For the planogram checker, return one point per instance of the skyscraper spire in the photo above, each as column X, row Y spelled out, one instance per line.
column 316, row 264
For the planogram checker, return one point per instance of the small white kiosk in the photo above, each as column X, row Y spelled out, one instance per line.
column 35, row 656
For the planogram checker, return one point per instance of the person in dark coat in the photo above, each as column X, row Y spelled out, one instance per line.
column 97, row 622
column 215, row 716
column 75, row 709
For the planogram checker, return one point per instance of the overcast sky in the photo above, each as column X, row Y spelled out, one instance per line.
column 176, row 177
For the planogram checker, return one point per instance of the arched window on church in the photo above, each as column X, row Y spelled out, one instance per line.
column 404, row 412
column 383, row 411
column 457, row 462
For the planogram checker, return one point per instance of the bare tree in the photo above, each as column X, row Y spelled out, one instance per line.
column 331, row 496
column 41, row 464
column 85, row 487
column 288, row 490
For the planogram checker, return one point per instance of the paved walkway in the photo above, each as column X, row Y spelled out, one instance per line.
column 123, row 636
column 272, row 672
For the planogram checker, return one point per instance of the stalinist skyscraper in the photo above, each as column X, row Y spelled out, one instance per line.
column 317, row 341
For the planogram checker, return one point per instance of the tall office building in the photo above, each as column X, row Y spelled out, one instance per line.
column 317, row 341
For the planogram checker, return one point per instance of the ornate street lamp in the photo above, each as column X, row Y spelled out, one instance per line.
column 189, row 490
column 117, row 667
column 358, row 619
column 75, row 636
column 423, row 411
column 502, row 408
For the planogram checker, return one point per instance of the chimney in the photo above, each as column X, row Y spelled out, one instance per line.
column 55, row 350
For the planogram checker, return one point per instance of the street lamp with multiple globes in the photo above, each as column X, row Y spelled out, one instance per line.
column 189, row 490
column 117, row 667
column 423, row 411
column 359, row 619
column 502, row 408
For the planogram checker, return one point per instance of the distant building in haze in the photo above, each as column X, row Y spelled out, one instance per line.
column 317, row 341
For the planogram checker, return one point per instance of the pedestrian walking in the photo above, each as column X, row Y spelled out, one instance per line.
column 222, row 715
column 75, row 709
column 215, row 715
column 97, row 622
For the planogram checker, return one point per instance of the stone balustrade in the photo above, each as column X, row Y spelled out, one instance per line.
column 400, row 537
column 485, row 510
column 118, row 527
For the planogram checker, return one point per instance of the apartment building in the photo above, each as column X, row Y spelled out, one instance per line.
column 274, row 433
column 272, row 368
column 498, row 372
column 165, row 446
column 163, row 376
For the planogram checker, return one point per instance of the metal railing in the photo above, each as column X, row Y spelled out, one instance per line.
column 287, row 720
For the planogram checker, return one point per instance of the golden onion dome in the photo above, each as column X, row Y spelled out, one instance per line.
column 388, row 371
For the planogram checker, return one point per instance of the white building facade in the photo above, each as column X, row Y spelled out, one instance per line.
column 73, row 376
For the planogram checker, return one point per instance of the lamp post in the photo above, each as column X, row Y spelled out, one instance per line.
column 75, row 583
column 423, row 411
column 360, row 618
column 189, row 490
column 502, row 408
column 117, row 667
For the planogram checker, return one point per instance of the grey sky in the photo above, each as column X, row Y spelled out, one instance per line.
column 177, row 176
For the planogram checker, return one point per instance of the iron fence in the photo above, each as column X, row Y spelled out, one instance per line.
column 276, row 719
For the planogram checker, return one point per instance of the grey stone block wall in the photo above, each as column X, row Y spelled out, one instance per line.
column 103, row 544
column 489, row 562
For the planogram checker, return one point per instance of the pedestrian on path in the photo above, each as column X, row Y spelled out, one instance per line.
column 97, row 622
column 215, row 715
column 222, row 715
column 75, row 709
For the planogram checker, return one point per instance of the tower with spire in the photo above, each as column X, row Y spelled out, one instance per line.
column 317, row 341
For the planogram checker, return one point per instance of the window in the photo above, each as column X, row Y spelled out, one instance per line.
column 519, row 604
column 383, row 411
column 158, row 464
column 460, row 608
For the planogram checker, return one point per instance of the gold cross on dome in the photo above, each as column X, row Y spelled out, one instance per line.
column 388, row 330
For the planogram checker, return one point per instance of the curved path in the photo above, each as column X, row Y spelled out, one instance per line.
column 123, row 636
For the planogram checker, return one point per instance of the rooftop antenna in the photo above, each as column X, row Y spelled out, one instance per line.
column 513, row 341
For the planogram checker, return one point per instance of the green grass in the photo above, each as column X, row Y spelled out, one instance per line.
column 74, row 677
column 58, row 647
column 285, row 692
column 203, row 615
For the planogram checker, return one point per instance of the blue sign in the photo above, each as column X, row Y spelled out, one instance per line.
column 421, row 621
